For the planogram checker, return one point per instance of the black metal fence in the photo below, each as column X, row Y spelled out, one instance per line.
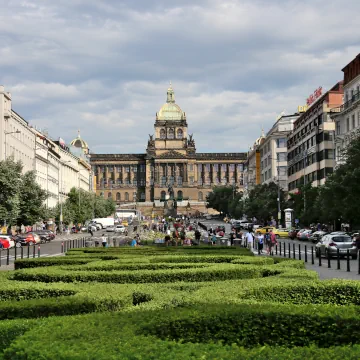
column 308, row 254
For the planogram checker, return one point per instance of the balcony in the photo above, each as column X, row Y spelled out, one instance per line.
column 354, row 99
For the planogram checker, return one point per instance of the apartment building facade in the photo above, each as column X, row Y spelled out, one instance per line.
column 310, row 145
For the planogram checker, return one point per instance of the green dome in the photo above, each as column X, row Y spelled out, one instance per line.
column 170, row 110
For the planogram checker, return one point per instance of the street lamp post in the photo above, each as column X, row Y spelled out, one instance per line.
column 60, row 197
column 8, row 133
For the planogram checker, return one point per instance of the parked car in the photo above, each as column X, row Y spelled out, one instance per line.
column 317, row 236
column 125, row 223
column 98, row 226
column 208, row 217
column 36, row 237
column 120, row 229
column 305, row 235
column 24, row 240
column 91, row 227
column 331, row 243
column 51, row 234
column 111, row 228
column 293, row 233
column 44, row 236
column 7, row 242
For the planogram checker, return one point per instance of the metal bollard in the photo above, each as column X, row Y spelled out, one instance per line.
column 338, row 258
column 38, row 251
column 312, row 256
column 276, row 249
column 294, row 255
column 305, row 253
column 73, row 243
column 62, row 247
column 15, row 253
column 7, row 257
column 34, row 251
column 329, row 260
column 299, row 252
column 114, row 241
column 319, row 258
column 22, row 252
column 348, row 260
column 28, row 252
column 289, row 251
column 280, row 248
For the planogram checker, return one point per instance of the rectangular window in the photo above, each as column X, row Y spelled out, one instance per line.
column 281, row 156
column 191, row 167
column 282, row 170
column 338, row 128
column 127, row 182
column 216, row 167
column 353, row 121
column 240, row 167
column 142, row 168
column 191, row 180
column 134, row 182
column 134, row 168
column 347, row 124
column 232, row 167
column 329, row 154
column 127, row 169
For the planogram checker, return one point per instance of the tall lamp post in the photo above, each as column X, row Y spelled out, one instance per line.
column 8, row 133
column 80, row 186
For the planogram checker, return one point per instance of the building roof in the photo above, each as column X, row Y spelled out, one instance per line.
column 108, row 157
column 78, row 142
column 170, row 110
column 220, row 156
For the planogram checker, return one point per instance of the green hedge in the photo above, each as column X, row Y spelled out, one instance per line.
column 213, row 273
column 144, row 335
column 50, row 261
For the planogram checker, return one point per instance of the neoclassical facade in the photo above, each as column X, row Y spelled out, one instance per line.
column 170, row 158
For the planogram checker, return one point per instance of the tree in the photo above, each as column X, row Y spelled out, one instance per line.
column 32, row 197
column 305, row 204
column 220, row 198
column 262, row 203
column 10, row 182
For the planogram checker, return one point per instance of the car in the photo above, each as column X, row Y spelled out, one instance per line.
column 125, row 223
column 36, row 237
column 278, row 232
column 44, row 236
column 300, row 232
column 91, row 228
column 208, row 217
column 7, row 242
column 331, row 243
column 292, row 233
column 24, row 240
column 316, row 236
column 97, row 226
column 51, row 234
column 120, row 228
column 305, row 235
column 111, row 228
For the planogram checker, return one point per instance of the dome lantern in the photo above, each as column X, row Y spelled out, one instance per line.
column 170, row 110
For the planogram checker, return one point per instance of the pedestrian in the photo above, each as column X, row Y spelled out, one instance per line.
column 103, row 240
column 213, row 239
column 267, row 239
column 133, row 243
column 232, row 237
column 90, row 231
column 250, row 239
column 273, row 241
column 260, row 243
column 206, row 237
column 197, row 235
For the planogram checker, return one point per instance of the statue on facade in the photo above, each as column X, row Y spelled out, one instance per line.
column 151, row 141
column 171, row 191
column 191, row 141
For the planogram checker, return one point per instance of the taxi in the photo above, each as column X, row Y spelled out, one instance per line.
column 125, row 223
column 277, row 232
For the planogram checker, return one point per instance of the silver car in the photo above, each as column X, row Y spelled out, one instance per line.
column 329, row 245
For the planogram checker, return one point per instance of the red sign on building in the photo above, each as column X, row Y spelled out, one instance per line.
column 313, row 97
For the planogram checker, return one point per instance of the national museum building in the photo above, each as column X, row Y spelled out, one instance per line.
column 170, row 158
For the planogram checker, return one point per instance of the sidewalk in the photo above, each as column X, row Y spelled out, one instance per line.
column 324, row 272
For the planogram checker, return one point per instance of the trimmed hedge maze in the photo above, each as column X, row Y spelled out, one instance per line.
column 180, row 303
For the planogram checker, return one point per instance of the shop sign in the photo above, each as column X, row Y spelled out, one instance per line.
column 313, row 97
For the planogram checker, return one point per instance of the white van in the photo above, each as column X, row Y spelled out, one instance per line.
column 104, row 222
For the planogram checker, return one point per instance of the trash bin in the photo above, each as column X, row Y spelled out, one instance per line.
column 88, row 243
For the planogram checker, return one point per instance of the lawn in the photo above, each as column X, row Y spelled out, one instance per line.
column 175, row 303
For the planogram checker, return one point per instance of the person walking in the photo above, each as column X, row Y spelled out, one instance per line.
column 260, row 243
column 273, row 242
column 250, row 239
column 267, row 240
column 103, row 240
column 91, row 232
column 232, row 238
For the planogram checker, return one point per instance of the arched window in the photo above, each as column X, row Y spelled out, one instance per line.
column 118, row 196
column 162, row 134
column 109, row 195
column 126, row 196
column 201, row 196
column 179, row 134
column 180, row 195
column 163, row 195
column 171, row 134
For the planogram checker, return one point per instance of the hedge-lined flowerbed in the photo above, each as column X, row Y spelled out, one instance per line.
column 180, row 303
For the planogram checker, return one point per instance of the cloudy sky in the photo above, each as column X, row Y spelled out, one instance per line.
column 103, row 66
